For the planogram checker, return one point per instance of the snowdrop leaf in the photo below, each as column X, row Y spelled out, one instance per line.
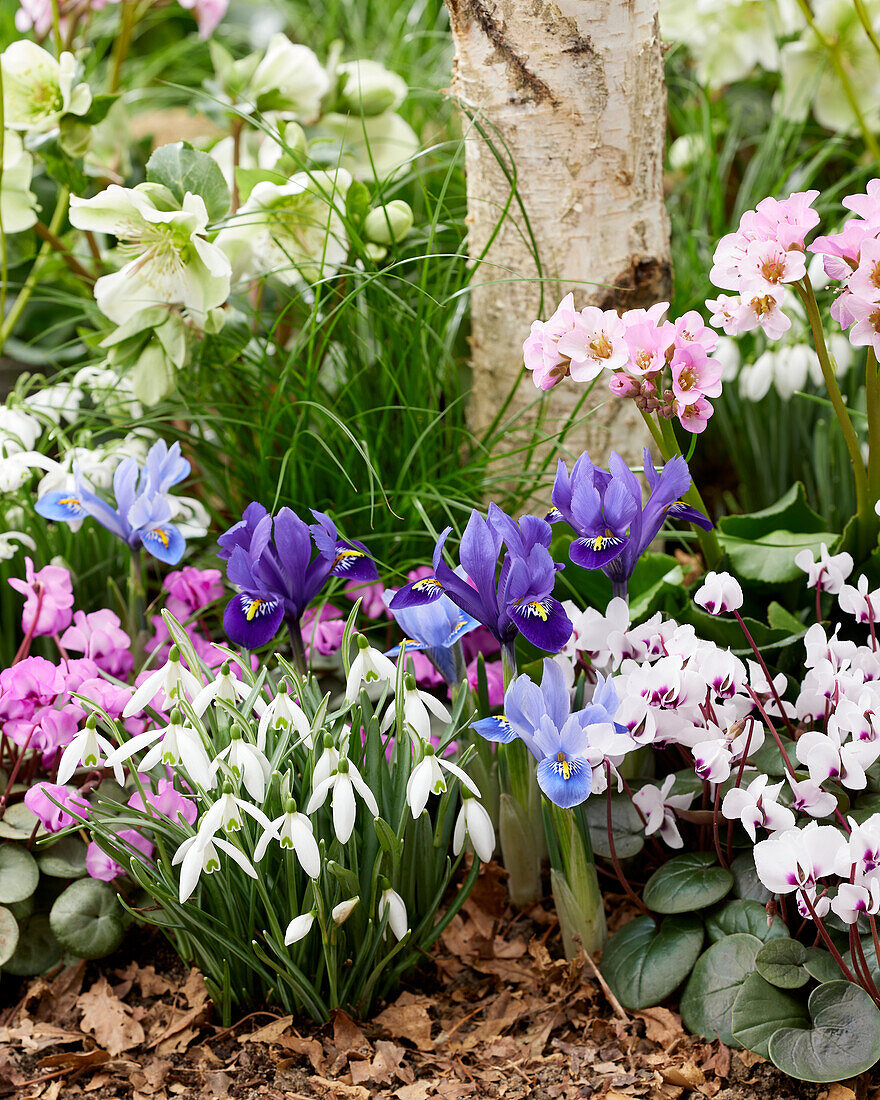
column 746, row 883
column 781, row 962
column 714, row 984
column 643, row 962
column 65, row 858
column 348, row 880
column 687, row 882
column 743, row 915
column 843, row 1042
column 760, row 1010
column 86, row 919
column 19, row 874
column 37, row 948
column 181, row 168
column 8, row 935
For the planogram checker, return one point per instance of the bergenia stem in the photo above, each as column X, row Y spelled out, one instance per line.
column 872, row 395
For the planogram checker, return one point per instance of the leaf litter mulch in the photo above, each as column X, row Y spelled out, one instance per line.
column 495, row 1013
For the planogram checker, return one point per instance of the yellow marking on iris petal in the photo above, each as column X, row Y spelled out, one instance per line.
column 564, row 765
column 70, row 500
column 427, row 584
column 162, row 536
column 342, row 555
column 253, row 609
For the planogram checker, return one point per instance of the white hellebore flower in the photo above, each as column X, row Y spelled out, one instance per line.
column 293, row 77
column 474, row 822
column 658, row 806
column 370, row 667
column 416, row 705
column 719, row 592
column 170, row 261
column 293, row 231
column 427, row 778
column 281, row 713
column 87, row 749
column 293, row 831
column 172, row 682
column 756, row 805
column 17, row 202
column 299, row 928
column 370, row 88
column 171, row 745
column 38, row 89
column 341, row 912
column 199, row 855
column 392, row 904
column 343, row 783
column 247, row 763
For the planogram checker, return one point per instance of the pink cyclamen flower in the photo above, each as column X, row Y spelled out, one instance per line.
column 100, row 636
column 55, row 818
column 322, row 630
column 494, row 680
column 596, row 343
column 167, row 801
column 101, row 866
column 49, row 598
column 541, row 352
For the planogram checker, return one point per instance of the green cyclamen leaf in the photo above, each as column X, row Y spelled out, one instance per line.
column 760, row 1010
column 714, row 985
column 687, row 882
column 644, row 963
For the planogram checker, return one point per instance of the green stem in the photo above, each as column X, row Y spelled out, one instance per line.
column 56, row 28
column 122, row 44
column 3, row 254
column 872, row 389
column 863, row 504
column 864, row 19
column 27, row 290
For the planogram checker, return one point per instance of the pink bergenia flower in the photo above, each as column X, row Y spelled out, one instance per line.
column 648, row 343
column 867, row 206
column 841, row 250
column 167, row 801
column 371, row 597
column 767, row 264
column 694, row 417
column 100, row 865
column 100, row 636
column 864, row 282
column 208, row 14
column 52, row 817
column 49, row 598
column 694, row 374
column 785, row 221
column 322, row 630
column 621, row 385
column 690, row 328
column 763, row 309
column 866, row 330
column 595, row 343
column 541, row 352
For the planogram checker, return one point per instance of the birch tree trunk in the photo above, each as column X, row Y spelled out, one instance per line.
column 575, row 91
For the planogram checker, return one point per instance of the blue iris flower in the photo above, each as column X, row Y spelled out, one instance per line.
column 515, row 598
column 567, row 745
column 142, row 516
column 435, row 628
column 604, row 508
column 270, row 562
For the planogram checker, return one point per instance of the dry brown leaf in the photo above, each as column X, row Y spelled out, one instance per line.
column 840, row 1092
column 408, row 1019
column 307, row 1048
column 194, row 989
column 418, row 1090
column 338, row 1090
column 75, row 1059
column 270, row 1033
column 37, row 1035
column 108, row 1019
column 686, row 1076
column 347, row 1036
column 661, row 1025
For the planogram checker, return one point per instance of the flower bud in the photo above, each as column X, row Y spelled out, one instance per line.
column 370, row 89
column 390, row 223
column 341, row 912
column 392, row 904
column 299, row 928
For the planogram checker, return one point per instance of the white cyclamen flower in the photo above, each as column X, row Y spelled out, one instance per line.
column 38, row 89
column 343, row 783
column 658, row 806
column 828, row 573
column 170, row 261
column 427, row 778
column 756, row 805
column 797, row 858
column 18, row 204
column 719, row 592
column 198, row 855
column 293, row 831
column 247, row 763
column 299, row 928
column 369, row 668
column 392, row 904
column 172, row 682
column 474, row 822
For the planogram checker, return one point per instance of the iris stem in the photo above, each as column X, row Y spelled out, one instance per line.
column 296, row 647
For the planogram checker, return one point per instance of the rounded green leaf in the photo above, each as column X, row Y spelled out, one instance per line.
column 629, row 831
column 8, row 934
column 844, row 1039
column 87, row 920
column 181, row 168
column 781, row 963
column 713, row 986
column 64, row 858
column 644, row 963
column 687, row 882
column 743, row 915
column 760, row 1010
column 746, row 883
column 19, row 873
column 820, row 965
column 37, row 948
column 18, row 823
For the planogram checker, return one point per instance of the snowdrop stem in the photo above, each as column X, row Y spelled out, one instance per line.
column 864, row 19
column 773, row 690
column 56, row 28
column 827, row 940
column 329, row 949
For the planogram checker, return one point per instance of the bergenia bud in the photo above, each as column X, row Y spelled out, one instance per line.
column 719, row 592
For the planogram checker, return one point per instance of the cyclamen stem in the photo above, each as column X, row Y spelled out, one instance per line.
column 765, row 670
column 829, row 943
column 25, row 647
column 618, row 870
column 787, row 760
column 873, row 925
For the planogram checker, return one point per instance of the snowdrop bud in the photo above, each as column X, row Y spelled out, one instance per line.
column 392, row 903
column 390, row 223
column 174, row 653
column 719, row 592
column 299, row 928
column 341, row 912
column 91, row 722
column 474, row 822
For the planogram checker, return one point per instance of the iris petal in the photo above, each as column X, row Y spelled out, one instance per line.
column 251, row 621
column 544, row 623
column 565, row 780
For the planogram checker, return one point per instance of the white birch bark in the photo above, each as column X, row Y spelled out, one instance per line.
column 575, row 91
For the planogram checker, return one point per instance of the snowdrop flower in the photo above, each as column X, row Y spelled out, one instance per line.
column 827, row 757
column 416, row 705
column 341, row 912
column 18, row 204
column 370, row 667
column 16, row 468
column 19, row 431
column 474, row 822
column 172, row 682
column 719, row 592
column 227, row 687
column 828, row 573
column 795, row 859
column 327, row 762
column 12, row 541
column 170, row 261
column 293, row 831
column 857, row 601
column 810, row 798
column 282, row 713
column 299, row 928
column 226, row 814
column 171, row 745
column 427, row 778
column 86, row 750
column 39, row 90
column 199, row 855
column 658, row 806
column 392, row 905
column 756, row 805
column 247, row 763
column 342, row 784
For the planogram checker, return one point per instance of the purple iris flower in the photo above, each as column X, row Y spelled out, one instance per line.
column 270, row 562
column 142, row 516
column 567, row 745
column 513, row 599
column 434, row 628
column 604, row 508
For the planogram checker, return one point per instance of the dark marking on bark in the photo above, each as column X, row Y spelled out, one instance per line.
column 462, row 12
column 646, row 281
